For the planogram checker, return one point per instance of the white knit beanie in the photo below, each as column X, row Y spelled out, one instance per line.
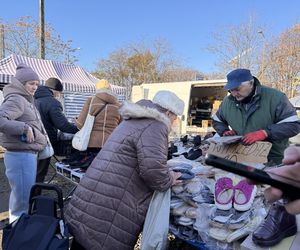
column 169, row 101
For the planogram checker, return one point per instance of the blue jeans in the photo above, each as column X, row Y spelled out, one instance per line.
column 21, row 173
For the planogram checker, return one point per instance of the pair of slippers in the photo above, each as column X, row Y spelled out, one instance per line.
column 240, row 196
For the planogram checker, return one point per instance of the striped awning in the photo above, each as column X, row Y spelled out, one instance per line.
column 73, row 78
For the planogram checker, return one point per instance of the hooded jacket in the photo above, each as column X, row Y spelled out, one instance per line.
column 104, row 106
column 52, row 114
column 108, row 208
column 17, row 113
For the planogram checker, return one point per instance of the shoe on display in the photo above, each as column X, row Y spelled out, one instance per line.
column 277, row 225
column 73, row 157
column 80, row 161
column 194, row 154
column 224, row 193
column 244, row 195
column 86, row 162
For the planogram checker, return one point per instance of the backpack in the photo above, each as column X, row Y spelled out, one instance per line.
column 41, row 228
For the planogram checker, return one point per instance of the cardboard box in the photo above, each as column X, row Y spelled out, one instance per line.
column 290, row 243
column 206, row 123
column 216, row 104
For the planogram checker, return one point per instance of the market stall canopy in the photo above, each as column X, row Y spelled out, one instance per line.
column 74, row 78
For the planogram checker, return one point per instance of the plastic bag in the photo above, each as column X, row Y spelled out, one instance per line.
column 46, row 152
column 156, row 226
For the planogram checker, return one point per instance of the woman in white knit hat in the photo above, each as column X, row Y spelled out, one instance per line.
column 108, row 208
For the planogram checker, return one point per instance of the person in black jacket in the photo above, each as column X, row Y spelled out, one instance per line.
column 51, row 112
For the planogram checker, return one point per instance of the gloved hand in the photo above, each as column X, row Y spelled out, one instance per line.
column 252, row 137
column 229, row 133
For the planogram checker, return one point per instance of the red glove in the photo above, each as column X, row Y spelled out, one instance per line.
column 250, row 138
column 229, row 133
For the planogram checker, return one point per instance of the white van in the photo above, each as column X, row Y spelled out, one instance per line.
column 201, row 98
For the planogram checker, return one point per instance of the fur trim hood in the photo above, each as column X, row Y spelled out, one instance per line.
column 143, row 109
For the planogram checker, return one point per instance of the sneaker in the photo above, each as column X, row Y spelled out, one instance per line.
column 224, row 193
column 244, row 195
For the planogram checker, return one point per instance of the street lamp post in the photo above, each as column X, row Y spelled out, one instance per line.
column 262, row 55
column 42, row 30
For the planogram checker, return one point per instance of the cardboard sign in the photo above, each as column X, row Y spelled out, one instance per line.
column 256, row 153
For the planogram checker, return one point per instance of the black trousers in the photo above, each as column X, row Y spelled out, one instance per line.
column 42, row 169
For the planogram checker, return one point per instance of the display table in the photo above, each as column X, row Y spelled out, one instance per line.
column 73, row 175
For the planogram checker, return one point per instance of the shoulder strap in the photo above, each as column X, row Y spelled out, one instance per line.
column 99, row 110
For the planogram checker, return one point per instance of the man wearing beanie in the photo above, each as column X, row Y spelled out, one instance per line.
column 53, row 118
column 260, row 113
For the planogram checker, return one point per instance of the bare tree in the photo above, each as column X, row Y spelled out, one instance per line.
column 215, row 75
column 181, row 74
column 238, row 46
column 283, row 60
column 139, row 63
column 22, row 38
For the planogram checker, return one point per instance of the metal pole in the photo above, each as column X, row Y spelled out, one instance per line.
column 42, row 30
column 2, row 44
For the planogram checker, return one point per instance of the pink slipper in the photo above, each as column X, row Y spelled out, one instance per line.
column 244, row 195
column 224, row 193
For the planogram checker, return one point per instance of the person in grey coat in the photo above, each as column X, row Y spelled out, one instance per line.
column 22, row 136
column 108, row 208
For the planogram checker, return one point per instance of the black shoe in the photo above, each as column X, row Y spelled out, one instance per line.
column 277, row 225
column 73, row 157
column 87, row 162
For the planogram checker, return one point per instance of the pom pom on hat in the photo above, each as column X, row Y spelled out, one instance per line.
column 169, row 101
column 54, row 83
column 25, row 74
column 102, row 84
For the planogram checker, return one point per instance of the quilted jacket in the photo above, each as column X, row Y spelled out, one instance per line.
column 108, row 208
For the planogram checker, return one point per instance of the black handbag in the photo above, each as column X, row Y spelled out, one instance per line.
column 41, row 228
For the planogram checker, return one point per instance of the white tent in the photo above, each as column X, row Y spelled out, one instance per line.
column 74, row 78
column 78, row 83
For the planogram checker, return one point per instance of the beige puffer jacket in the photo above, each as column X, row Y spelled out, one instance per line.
column 105, row 109
column 108, row 208
column 16, row 113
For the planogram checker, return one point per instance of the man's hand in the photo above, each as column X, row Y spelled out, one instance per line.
column 273, row 194
column 252, row 137
column 229, row 133
column 291, row 155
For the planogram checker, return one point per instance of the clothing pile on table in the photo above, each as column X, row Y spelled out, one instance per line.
column 204, row 208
